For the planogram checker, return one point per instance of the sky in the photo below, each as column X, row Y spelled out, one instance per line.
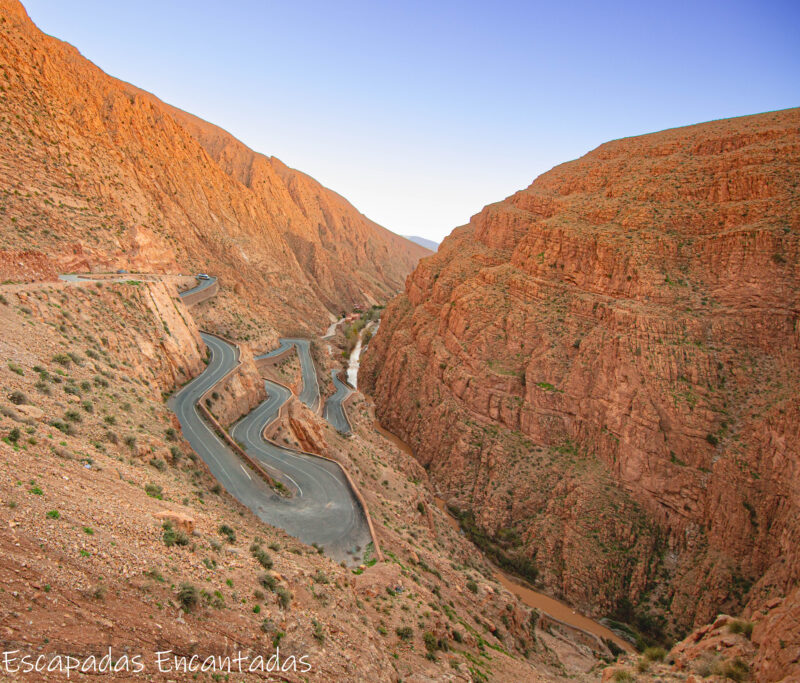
column 421, row 113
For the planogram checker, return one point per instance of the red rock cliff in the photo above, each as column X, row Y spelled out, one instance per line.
column 100, row 175
column 607, row 365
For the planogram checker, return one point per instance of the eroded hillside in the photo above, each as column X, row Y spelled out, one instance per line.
column 100, row 175
column 602, row 370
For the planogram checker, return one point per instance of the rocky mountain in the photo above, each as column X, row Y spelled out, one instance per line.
column 428, row 244
column 602, row 373
column 98, row 174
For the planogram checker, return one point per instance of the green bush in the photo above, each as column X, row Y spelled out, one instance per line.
column 172, row 536
column 268, row 581
column 153, row 490
column 227, row 532
column 263, row 558
column 405, row 632
column 741, row 626
column 188, row 596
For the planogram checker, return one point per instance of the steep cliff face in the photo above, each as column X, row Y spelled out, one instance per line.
column 605, row 368
column 348, row 258
column 98, row 174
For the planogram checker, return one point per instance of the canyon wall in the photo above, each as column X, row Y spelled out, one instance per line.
column 99, row 175
column 604, row 369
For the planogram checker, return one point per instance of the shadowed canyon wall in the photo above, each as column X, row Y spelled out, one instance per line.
column 604, row 369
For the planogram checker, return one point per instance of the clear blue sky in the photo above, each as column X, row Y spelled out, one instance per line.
column 420, row 113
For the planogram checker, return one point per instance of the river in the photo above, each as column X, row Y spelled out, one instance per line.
column 540, row 601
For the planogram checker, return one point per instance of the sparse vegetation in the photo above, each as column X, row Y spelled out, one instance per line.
column 188, row 596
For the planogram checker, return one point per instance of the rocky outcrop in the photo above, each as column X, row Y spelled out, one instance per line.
column 238, row 392
column 26, row 266
column 99, row 175
column 604, row 368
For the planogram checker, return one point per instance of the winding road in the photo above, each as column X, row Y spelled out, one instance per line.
column 334, row 408
column 242, row 483
column 310, row 393
column 323, row 509
column 199, row 287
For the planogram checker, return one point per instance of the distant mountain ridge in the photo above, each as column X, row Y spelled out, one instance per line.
column 423, row 242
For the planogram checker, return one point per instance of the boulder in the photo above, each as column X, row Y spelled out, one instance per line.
column 180, row 520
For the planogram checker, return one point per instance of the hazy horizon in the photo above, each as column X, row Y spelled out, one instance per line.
column 420, row 115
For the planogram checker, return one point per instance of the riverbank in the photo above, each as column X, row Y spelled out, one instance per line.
column 532, row 598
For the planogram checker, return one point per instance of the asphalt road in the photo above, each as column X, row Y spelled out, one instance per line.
column 334, row 410
column 242, row 483
column 310, row 393
column 323, row 509
column 200, row 286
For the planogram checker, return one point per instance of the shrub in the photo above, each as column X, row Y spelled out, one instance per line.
column 623, row 676
column 188, row 596
column 713, row 440
column 405, row 632
column 18, row 398
column 88, row 406
column 319, row 634
column 173, row 537
column 263, row 558
column 472, row 586
column 227, row 532
column 268, row 581
column 158, row 463
column 15, row 368
column 655, row 654
column 62, row 359
column 62, row 426
column 72, row 416
column 171, row 434
column 13, row 435
column 284, row 596
column 457, row 636
column 734, row 669
column 53, row 514
column 110, row 420
column 421, row 508
column 153, row 490
column 130, row 441
column 431, row 643
column 741, row 626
